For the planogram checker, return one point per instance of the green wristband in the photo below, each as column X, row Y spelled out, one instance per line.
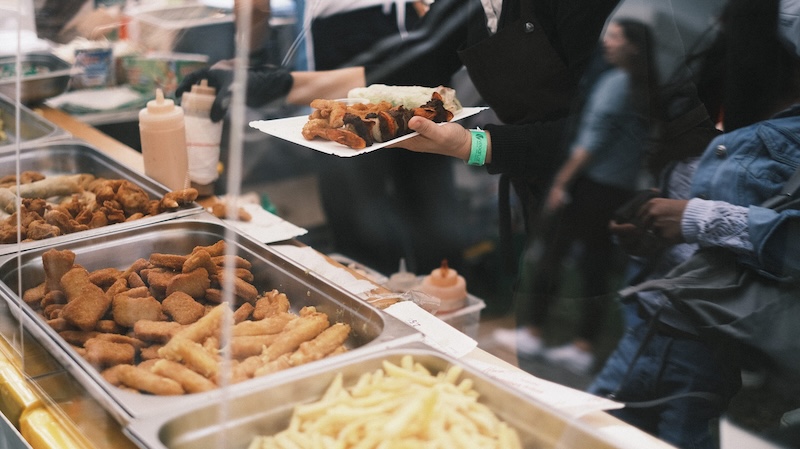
column 477, row 151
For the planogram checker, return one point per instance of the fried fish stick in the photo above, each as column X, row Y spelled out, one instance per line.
column 147, row 381
column 207, row 326
column 86, row 302
column 193, row 283
column 296, row 332
column 191, row 381
column 270, row 325
column 323, row 344
column 281, row 363
column 193, row 355
column 250, row 345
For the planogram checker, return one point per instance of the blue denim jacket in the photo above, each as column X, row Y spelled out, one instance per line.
column 746, row 167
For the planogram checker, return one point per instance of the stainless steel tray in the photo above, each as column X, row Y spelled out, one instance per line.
column 241, row 416
column 72, row 156
column 372, row 330
column 33, row 128
column 45, row 76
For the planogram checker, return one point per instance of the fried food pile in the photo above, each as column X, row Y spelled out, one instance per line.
column 59, row 205
column 362, row 124
column 398, row 406
column 156, row 326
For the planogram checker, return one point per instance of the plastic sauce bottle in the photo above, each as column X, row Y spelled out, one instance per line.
column 202, row 137
column 163, row 134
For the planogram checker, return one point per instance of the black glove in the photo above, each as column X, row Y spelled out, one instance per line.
column 265, row 83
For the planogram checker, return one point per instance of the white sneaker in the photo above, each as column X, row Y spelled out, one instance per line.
column 519, row 340
column 570, row 357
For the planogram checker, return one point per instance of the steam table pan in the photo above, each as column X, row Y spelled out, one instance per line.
column 73, row 156
column 371, row 330
column 33, row 128
column 234, row 421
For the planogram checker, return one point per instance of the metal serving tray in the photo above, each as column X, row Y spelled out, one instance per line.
column 372, row 330
column 267, row 410
column 33, row 128
column 72, row 156
column 36, row 86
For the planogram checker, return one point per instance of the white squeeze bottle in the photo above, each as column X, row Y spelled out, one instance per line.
column 162, row 130
column 202, row 137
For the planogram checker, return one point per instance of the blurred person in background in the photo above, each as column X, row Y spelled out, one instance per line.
column 676, row 385
column 600, row 174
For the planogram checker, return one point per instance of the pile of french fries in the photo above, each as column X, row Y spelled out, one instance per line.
column 398, row 406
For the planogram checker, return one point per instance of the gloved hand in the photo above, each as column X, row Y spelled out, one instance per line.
column 265, row 83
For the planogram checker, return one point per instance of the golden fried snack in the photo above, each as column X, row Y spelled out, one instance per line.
column 199, row 258
column 157, row 280
column 109, row 327
column 281, row 363
column 270, row 325
column 193, row 283
column 176, row 199
column 77, row 338
column 250, row 345
column 172, row 262
column 191, row 381
column 103, row 353
column 104, row 277
column 58, row 324
column 183, row 308
column 53, row 297
column 52, row 311
column 132, row 198
column 207, row 326
column 150, row 352
column 33, row 296
column 308, row 326
column 221, row 210
column 147, row 381
column 119, row 286
column 238, row 262
column 134, row 280
column 156, row 331
column 127, row 310
column 241, row 288
column 193, row 355
column 86, row 302
column 55, row 264
column 39, row 230
column 323, row 344
column 270, row 304
column 119, row 338
column 243, row 312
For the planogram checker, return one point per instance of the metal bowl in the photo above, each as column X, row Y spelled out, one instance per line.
column 36, row 86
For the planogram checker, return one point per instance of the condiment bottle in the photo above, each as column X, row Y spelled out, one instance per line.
column 163, row 135
column 446, row 284
column 202, row 137
column 402, row 281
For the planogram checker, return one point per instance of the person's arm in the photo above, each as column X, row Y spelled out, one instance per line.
column 558, row 196
column 330, row 84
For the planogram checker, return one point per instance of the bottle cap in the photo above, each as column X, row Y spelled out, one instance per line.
column 402, row 281
column 200, row 98
column 160, row 105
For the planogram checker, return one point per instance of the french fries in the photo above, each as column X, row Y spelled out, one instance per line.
column 401, row 406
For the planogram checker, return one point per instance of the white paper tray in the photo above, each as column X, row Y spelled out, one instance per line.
column 290, row 129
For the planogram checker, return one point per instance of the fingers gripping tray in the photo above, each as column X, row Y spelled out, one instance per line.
column 116, row 355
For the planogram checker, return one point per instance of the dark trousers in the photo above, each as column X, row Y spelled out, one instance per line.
column 584, row 220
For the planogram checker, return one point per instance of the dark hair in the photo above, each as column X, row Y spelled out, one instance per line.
column 760, row 73
column 642, row 67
